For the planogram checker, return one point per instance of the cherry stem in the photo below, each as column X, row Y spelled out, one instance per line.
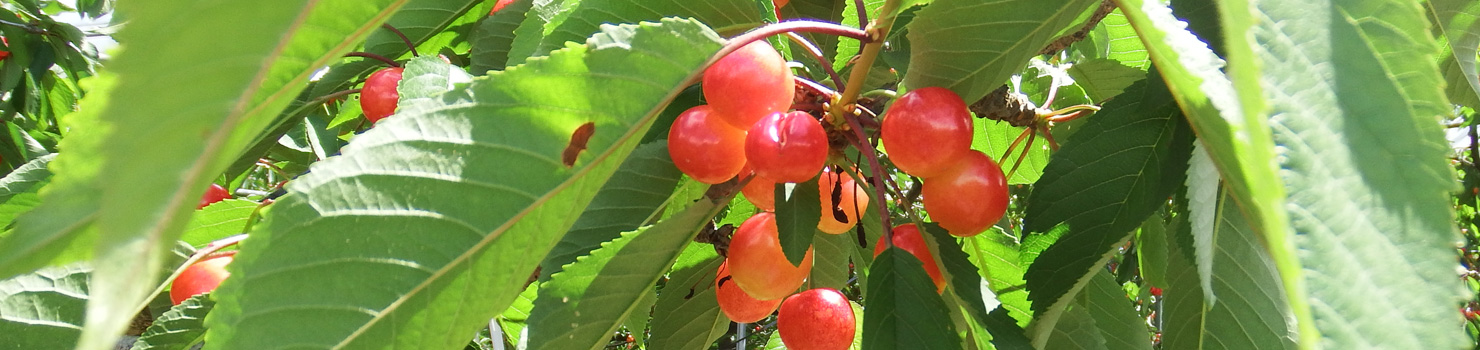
column 388, row 61
column 1013, row 145
column 877, row 31
column 199, row 254
column 862, row 13
column 768, row 30
column 1022, row 155
column 268, row 164
column 1064, row 114
column 815, row 87
column 879, row 176
column 817, row 55
column 404, row 39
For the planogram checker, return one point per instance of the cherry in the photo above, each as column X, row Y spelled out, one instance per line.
column 737, row 305
column 780, row 3
column 967, row 198
column 704, row 147
column 1155, row 292
column 379, row 96
column 759, row 191
column 499, row 6
column 908, row 237
column 201, row 277
column 786, row 147
column 853, row 200
column 749, row 84
column 214, row 194
column 926, row 131
column 817, row 319
column 759, row 266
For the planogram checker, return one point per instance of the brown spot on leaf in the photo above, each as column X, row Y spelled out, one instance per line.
column 577, row 143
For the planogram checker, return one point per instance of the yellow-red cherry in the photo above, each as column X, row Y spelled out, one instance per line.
column 757, row 263
column 852, row 201
column 908, row 237
column 379, row 96
column 786, row 147
column 705, row 148
column 749, row 84
column 735, row 303
column 816, row 319
column 760, row 191
column 201, row 277
column 967, row 198
column 926, row 130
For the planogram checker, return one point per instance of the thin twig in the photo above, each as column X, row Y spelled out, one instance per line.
column 388, row 61
column 817, row 55
column 404, row 39
column 1063, row 42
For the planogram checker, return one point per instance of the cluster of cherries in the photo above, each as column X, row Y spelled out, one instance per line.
column 927, row 133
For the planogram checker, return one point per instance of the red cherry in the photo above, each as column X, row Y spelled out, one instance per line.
column 214, row 194
column 1155, row 292
column 780, row 3
column 738, row 306
column 967, row 198
column 853, row 200
column 757, row 263
column 379, row 96
column 705, row 148
column 749, row 84
column 760, row 191
column 786, row 147
column 817, row 319
column 499, row 6
column 908, row 237
column 201, row 277
column 926, row 131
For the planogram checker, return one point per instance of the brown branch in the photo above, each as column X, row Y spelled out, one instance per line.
column 1063, row 42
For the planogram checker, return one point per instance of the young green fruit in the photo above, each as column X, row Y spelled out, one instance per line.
column 201, row 277
column 817, row 319
column 379, row 96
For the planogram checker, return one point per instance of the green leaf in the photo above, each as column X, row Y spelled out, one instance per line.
column 1459, row 22
column 495, row 36
column 688, row 315
column 639, row 188
column 798, row 207
column 44, row 309
column 832, row 11
column 903, row 311
column 580, row 18
column 996, row 136
column 849, row 48
column 1076, row 330
column 972, row 47
column 1367, row 229
column 581, row 306
column 18, row 190
column 1102, row 184
column 218, row 220
column 433, row 25
column 515, row 319
column 1114, row 314
column 1251, row 309
column 427, row 204
column 1151, row 252
column 966, row 285
column 1202, row 212
column 830, row 259
column 1104, row 79
column 996, row 255
column 179, row 328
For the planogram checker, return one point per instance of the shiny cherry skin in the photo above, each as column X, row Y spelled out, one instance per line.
column 705, row 148
column 926, row 130
column 499, row 6
column 852, row 201
column 786, row 147
column 816, row 319
column 967, row 198
column 201, row 277
column 749, row 84
column 738, row 306
column 757, row 263
column 908, row 237
column 379, row 96
column 760, row 191
column 214, row 194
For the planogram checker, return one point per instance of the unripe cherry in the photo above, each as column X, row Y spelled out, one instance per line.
column 737, row 305
column 757, row 263
column 926, row 130
column 908, row 238
column 786, row 147
column 967, row 198
column 749, row 84
column 705, row 148
column 816, row 319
